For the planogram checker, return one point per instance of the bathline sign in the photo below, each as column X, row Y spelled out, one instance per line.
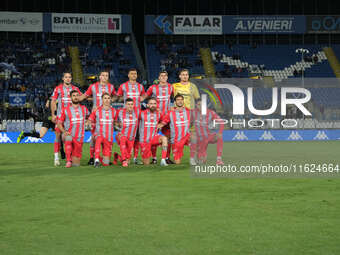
column 239, row 105
column 86, row 23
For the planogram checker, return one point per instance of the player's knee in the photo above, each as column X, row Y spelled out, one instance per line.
column 164, row 140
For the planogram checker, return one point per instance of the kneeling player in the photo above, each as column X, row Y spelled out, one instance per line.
column 179, row 120
column 103, row 118
column 127, row 119
column 148, row 137
column 72, row 124
column 204, row 136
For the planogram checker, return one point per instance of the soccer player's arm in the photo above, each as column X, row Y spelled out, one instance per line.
column 87, row 94
column 60, row 123
column 149, row 92
column 120, row 93
column 174, row 90
column 77, row 89
column 143, row 95
column 165, row 119
column 92, row 117
column 117, row 123
column 191, row 119
column 114, row 114
column 54, row 98
column 172, row 96
column 113, row 93
column 195, row 96
column 195, row 92
column 87, row 117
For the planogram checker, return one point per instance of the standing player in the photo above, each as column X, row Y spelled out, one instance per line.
column 204, row 135
column 148, row 136
column 187, row 89
column 190, row 93
column 61, row 94
column 96, row 90
column 162, row 92
column 72, row 124
column 134, row 90
column 102, row 119
column 179, row 120
column 127, row 118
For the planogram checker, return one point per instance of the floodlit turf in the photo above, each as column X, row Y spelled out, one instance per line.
column 154, row 210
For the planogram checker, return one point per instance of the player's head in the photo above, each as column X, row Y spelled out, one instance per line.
column 132, row 74
column 163, row 77
column 179, row 100
column 67, row 78
column 129, row 104
column 106, row 99
column 104, row 77
column 152, row 104
column 74, row 94
column 184, row 75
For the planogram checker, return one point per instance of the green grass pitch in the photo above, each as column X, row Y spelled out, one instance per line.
column 155, row 210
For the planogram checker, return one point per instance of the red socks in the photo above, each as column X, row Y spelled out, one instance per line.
column 219, row 147
column 68, row 150
column 56, row 147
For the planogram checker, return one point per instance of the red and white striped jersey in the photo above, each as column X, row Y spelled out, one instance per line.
column 179, row 121
column 129, row 122
column 133, row 91
column 103, row 121
column 202, row 123
column 148, row 125
column 73, row 119
column 163, row 94
column 61, row 93
column 96, row 90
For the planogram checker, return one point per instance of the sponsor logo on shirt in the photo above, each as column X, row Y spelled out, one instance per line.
column 133, row 94
column 150, row 124
column 78, row 120
column 105, row 121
